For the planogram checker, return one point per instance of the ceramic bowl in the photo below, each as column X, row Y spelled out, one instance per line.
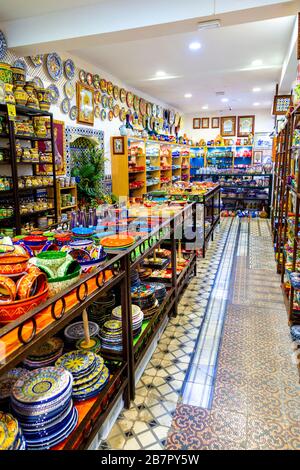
column 35, row 240
column 31, row 284
column 58, row 284
column 51, row 259
column 14, row 310
column 6, row 249
column 82, row 232
column 13, row 264
column 8, row 290
column 68, row 267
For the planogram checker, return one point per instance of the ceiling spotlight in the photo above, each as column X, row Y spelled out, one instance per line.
column 194, row 46
column 224, row 100
column 205, row 106
column 257, row 62
column 188, row 95
column 160, row 73
column 256, row 89
column 209, row 24
column 256, row 104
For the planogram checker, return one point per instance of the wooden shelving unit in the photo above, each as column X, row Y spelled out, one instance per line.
column 60, row 191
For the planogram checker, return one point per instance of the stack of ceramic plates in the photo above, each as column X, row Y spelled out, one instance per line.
column 75, row 332
column 6, row 383
column 11, row 436
column 160, row 290
column 135, row 278
column 144, row 297
column 89, row 373
column 144, row 273
column 111, row 336
column 137, row 318
column 118, row 242
column 100, row 311
column 295, row 333
column 46, row 354
column 42, row 403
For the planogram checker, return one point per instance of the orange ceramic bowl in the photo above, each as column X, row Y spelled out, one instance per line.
column 14, row 310
column 8, row 290
column 31, row 284
column 13, row 264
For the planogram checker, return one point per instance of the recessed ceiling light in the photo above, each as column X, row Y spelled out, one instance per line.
column 256, row 104
column 257, row 62
column 160, row 73
column 194, row 46
column 224, row 100
column 188, row 95
column 256, row 89
column 205, row 106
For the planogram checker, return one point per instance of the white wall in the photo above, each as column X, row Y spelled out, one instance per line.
column 264, row 122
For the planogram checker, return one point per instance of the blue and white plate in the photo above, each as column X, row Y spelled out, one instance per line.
column 54, row 66
column 73, row 113
column 3, row 46
column 37, row 60
column 75, row 331
column 77, row 362
column 38, row 82
column 69, row 69
column 65, row 106
column 53, row 93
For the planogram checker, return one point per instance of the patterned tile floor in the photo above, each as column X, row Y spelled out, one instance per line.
column 222, row 376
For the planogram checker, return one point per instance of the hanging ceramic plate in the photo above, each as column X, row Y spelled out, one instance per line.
column 96, row 81
column 37, row 60
column 122, row 115
column 129, row 99
column 110, row 115
column 53, row 93
column 73, row 113
column 116, row 92
column 136, row 103
column 89, row 79
column 122, row 95
column 65, row 106
column 20, row 64
column 97, row 111
column 97, row 97
column 54, row 66
column 140, row 120
column 149, row 109
column 110, row 88
column 3, row 45
column 110, row 102
column 116, row 110
column 104, row 101
column 38, row 82
column 103, row 114
column 171, row 117
column 69, row 90
column 143, row 107
column 82, row 76
column 69, row 69
column 152, row 122
column 145, row 122
column 135, row 119
column 103, row 85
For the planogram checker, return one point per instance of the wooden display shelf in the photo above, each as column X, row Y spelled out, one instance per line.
column 58, row 194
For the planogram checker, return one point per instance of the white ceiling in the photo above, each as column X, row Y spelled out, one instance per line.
column 222, row 64
column 17, row 9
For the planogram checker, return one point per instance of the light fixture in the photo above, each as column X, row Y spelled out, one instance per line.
column 205, row 106
column 256, row 104
column 256, row 89
column 188, row 95
column 194, row 46
column 160, row 73
column 224, row 100
column 257, row 62
column 209, row 24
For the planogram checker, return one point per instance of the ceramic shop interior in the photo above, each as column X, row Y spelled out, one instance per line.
column 149, row 225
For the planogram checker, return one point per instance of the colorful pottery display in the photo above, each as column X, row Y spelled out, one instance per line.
column 19, row 76
column 13, row 310
column 6, row 75
column 32, row 101
column 54, row 66
column 11, row 435
column 20, row 95
column 44, row 99
column 75, row 331
column 7, row 381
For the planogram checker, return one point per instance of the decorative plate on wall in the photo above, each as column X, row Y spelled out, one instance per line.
column 65, row 106
column 136, row 103
column 97, row 97
column 122, row 114
column 103, row 114
column 96, row 81
column 116, row 92
column 82, row 76
column 53, row 93
column 37, row 60
column 143, row 107
column 97, row 111
column 122, row 95
column 20, row 64
column 38, row 82
column 73, row 113
column 3, row 45
column 129, row 99
column 110, row 115
column 116, row 110
column 149, row 109
column 69, row 69
column 110, row 88
column 110, row 102
column 103, row 85
column 69, row 90
column 89, row 79
column 104, row 101
column 54, row 66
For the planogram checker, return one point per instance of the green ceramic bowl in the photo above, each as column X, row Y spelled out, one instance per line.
column 51, row 259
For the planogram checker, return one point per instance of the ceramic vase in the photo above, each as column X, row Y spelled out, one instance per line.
column 43, row 97
column 18, row 76
column 6, row 74
column 9, row 97
column 32, row 101
column 21, row 96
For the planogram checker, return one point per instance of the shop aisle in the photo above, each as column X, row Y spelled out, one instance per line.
column 223, row 374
